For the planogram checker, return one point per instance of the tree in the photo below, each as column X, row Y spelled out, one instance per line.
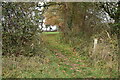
column 20, row 27
column 81, row 22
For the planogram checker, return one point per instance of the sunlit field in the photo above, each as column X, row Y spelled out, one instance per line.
column 50, row 32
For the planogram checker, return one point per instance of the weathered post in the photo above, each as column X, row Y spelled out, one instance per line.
column 95, row 45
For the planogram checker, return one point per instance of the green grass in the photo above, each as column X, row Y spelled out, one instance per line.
column 60, row 62
column 50, row 32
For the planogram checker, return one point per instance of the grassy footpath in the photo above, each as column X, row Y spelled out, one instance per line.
column 60, row 62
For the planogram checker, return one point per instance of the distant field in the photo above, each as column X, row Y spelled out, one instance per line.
column 50, row 32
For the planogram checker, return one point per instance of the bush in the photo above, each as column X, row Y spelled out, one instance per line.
column 20, row 29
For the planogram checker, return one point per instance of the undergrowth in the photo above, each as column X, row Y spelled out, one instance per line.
column 60, row 61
